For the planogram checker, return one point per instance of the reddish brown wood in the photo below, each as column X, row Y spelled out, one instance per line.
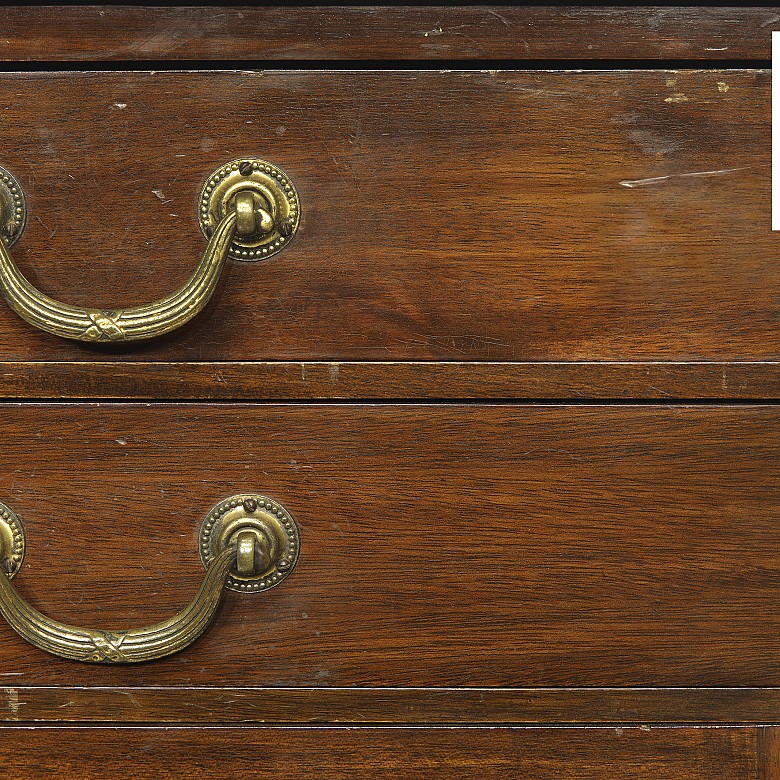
column 329, row 753
column 365, row 705
column 769, row 754
column 466, row 235
column 445, row 545
column 409, row 380
column 94, row 33
column 457, row 216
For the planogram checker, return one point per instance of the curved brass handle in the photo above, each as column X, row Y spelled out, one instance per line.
column 256, row 544
column 127, row 646
column 249, row 210
column 133, row 324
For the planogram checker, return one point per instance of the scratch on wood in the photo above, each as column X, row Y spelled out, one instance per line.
column 535, row 91
column 132, row 699
column 439, row 30
column 632, row 183
column 498, row 16
column 158, row 193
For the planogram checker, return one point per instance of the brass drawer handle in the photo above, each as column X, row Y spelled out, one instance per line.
column 248, row 209
column 248, row 543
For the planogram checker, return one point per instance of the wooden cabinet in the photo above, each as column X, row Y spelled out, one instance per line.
column 515, row 379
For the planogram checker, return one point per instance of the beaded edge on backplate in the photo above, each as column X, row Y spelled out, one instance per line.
column 12, row 541
column 289, row 556
column 263, row 177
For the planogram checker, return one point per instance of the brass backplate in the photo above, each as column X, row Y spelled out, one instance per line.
column 13, row 208
column 274, row 528
column 12, row 541
column 274, row 197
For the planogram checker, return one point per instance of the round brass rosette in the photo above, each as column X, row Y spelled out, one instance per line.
column 13, row 208
column 12, row 541
column 273, row 537
column 264, row 198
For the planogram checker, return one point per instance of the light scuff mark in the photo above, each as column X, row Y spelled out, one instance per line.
column 13, row 703
column 633, row 183
column 498, row 16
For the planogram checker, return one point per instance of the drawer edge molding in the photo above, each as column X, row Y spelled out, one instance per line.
column 518, row 706
column 413, row 380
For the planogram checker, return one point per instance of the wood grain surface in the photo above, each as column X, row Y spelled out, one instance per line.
column 330, row 753
column 447, row 216
column 96, row 33
column 769, row 754
column 445, row 546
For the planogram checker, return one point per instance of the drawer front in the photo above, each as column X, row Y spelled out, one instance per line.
column 446, row 216
column 451, row 754
column 442, row 546
column 99, row 33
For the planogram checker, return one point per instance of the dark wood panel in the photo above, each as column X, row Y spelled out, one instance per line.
column 364, row 705
column 95, row 33
column 463, row 216
column 370, row 380
column 454, row 546
column 325, row 753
